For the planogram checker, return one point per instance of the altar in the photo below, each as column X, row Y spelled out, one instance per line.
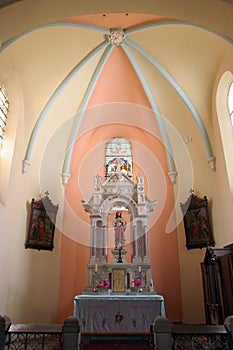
column 120, row 296
column 118, row 313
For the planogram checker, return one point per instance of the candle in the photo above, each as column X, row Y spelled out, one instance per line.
column 96, row 267
column 151, row 285
column 139, row 269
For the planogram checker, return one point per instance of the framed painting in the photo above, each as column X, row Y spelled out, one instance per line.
column 118, row 279
column 196, row 222
column 42, row 224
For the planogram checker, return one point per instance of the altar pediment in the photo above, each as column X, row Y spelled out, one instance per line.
column 119, row 189
column 119, row 184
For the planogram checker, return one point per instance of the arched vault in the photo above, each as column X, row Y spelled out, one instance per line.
column 120, row 38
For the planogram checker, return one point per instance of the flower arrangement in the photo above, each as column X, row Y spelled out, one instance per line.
column 137, row 282
column 104, row 284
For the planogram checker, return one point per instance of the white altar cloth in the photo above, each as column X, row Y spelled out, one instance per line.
column 118, row 313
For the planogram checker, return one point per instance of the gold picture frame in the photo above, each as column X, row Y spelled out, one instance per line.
column 118, row 281
column 196, row 222
column 42, row 224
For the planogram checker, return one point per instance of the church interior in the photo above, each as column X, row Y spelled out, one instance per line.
column 116, row 112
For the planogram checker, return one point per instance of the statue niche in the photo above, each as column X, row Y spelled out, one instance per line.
column 119, row 225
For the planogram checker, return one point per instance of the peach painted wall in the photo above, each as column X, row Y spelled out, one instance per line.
column 115, row 109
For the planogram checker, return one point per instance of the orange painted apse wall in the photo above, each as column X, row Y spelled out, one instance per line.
column 119, row 107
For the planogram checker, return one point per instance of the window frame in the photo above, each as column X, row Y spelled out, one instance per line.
column 230, row 102
column 4, row 110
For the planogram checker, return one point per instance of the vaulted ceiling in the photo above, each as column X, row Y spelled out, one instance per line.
column 176, row 60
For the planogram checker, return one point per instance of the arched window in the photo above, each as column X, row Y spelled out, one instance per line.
column 224, row 106
column 230, row 102
column 4, row 105
column 118, row 156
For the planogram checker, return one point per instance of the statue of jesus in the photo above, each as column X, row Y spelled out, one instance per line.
column 119, row 225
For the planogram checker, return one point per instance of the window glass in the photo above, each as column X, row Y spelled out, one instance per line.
column 118, row 157
column 230, row 102
column 4, row 105
column 224, row 108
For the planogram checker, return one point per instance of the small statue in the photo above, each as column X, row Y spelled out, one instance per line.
column 119, row 225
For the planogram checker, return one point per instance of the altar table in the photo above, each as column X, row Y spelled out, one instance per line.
column 118, row 313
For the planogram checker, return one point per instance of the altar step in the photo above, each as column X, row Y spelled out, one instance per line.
column 116, row 347
column 116, row 342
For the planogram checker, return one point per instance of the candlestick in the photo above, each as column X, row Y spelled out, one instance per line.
column 151, row 285
column 93, row 282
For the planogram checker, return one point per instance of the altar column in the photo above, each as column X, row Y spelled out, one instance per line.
column 98, row 241
column 140, row 242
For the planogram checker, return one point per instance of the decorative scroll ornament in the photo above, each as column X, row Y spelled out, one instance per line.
column 116, row 36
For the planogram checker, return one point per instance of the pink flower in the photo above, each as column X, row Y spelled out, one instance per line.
column 104, row 284
column 107, row 284
column 137, row 282
column 101, row 284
